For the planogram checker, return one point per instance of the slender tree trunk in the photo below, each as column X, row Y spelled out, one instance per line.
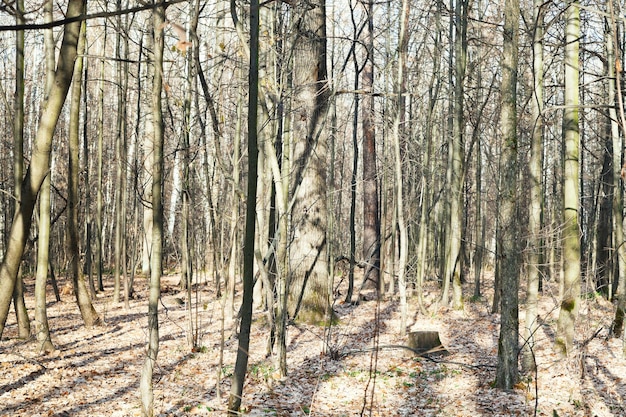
column 456, row 167
column 241, row 364
column 156, row 253
column 426, row 177
column 355, row 162
column 121, row 152
column 88, row 313
column 616, row 93
column 571, row 239
column 23, row 323
column 42, row 329
column 398, row 128
column 86, row 154
column 371, row 211
column 508, row 350
column 535, row 209
column 99, row 172
column 40, row 161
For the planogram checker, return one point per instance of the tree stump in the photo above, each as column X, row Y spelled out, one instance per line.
column 426, row 341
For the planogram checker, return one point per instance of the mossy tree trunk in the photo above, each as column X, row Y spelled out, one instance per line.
column 571, row 235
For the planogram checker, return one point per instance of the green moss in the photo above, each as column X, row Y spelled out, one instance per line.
column 568, row 305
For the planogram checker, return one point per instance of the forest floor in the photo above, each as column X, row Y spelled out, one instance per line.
column 95, row 372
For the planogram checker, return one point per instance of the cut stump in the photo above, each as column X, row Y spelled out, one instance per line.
column 425, row 342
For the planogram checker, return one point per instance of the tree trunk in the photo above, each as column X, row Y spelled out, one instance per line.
column 571, row 239
column 456, row 167
column 398, row 137
column 42, row 330
column 120, row 164
column 371, row 211
column 156, row 255
column 535, row 204
column 309, row 297
column 507, row 370
column 88, row 313
column 40, row 161
column 241, row 364
column 23, row 323
column 616, row 92
column 99, row 172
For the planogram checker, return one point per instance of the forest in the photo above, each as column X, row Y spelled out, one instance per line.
column 311, row 207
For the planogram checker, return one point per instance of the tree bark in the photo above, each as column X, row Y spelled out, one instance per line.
column 371, row 210
column 241, row 364
column 23, row 323
column 507, row 370
column 398, row 133
column 40, row 161
column 87, row 311
column 535, row 209
column 309, row 296
column 156, row 255
column 42, row 330
column 571, row 239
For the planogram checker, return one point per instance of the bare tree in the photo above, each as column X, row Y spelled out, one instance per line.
column 508, row 350
column 40, row 160
column 570, row 301
column 156, row 252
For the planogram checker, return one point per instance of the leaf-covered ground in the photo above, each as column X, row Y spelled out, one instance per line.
column 95, row 372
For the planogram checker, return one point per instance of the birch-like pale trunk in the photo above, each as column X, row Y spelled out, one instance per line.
column 570, row 301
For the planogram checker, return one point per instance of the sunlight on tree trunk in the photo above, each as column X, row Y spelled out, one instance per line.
column 87, row 311
column 42, row 330
column 570, row 302
column 23, row 323
column 40, row 162
column 308, row 289
column 156, row 258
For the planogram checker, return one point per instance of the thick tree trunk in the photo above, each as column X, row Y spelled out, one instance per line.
column 40, row 161
column 309, row 296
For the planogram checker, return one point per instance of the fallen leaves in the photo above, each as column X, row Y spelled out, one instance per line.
column 96, row 371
